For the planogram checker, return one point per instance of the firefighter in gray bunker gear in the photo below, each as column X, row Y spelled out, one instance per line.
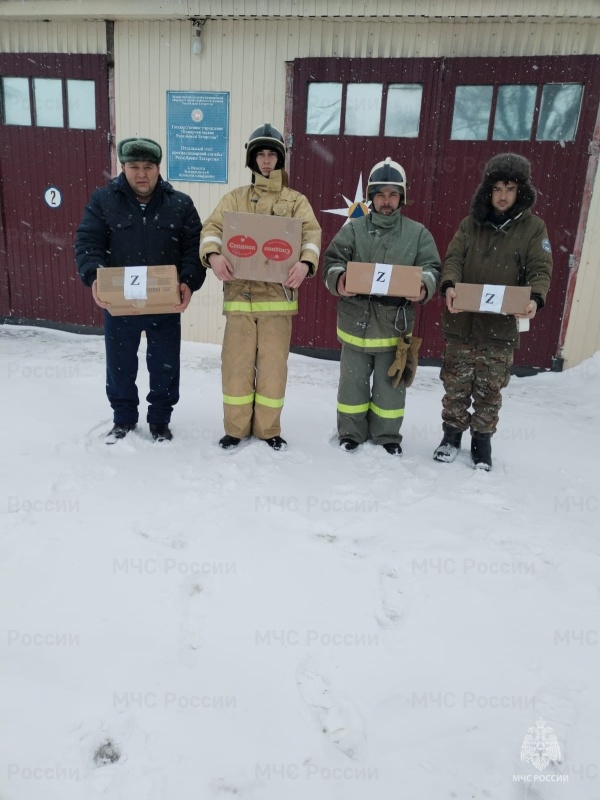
column 500, row 243
column 375, row 331
column 259, row 314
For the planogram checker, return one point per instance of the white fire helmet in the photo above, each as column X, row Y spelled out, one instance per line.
column 387, row 173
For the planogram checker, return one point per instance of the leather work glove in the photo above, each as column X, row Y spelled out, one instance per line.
column 399, row 364
column 412, row 361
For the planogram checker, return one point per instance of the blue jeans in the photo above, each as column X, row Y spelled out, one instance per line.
column 122, row 337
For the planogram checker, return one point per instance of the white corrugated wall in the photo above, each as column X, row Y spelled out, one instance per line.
column 247, row 58
column 66, row 36
column 583, row 331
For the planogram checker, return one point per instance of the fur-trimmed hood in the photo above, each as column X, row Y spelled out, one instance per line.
column 504, row 167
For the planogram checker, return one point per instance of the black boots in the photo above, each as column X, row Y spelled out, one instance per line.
column 448, row 448
column 393, row 448
column 350, row 446
column 119, row 431
column 481, row 450
column 160, row 432
column 228, row 442
column 276, row 442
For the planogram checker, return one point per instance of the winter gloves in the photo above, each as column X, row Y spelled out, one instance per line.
column 404, row 367
column 412, row 361
column 399, row 364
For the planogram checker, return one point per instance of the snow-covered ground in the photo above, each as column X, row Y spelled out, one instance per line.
column 185, row 623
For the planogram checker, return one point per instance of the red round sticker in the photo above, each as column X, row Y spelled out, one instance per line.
column 277, row 250
column 242, row 246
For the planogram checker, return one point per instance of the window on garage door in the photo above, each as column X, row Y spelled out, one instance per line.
column 364, row 109
column 49, row 103
column 549, row 113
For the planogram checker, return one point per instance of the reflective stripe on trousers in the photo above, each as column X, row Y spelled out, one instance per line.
column 254, row 374
column 366, row 411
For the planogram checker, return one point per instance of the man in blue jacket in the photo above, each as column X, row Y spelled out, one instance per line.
column 139, row 219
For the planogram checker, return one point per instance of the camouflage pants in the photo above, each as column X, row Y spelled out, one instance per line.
column 474, row 374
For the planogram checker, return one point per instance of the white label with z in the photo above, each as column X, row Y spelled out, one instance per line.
column 491, row 298
column 135, row 283
column 381, row 279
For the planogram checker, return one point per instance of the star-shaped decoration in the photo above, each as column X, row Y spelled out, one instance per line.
column 354, row 209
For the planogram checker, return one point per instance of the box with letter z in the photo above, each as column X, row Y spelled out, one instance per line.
column 393, row 280
column 132, row 291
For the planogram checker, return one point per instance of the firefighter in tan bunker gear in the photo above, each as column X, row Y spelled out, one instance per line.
column 259, row 314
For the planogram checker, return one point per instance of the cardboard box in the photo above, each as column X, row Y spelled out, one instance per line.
column 148, row 290
column 491, row 298
column 394, row 280
column 261, row 247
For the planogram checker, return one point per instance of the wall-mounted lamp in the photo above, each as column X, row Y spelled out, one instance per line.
column 197, row 36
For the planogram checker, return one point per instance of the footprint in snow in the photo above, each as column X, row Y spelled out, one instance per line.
column 162, row 534
column 96, row 440
column 220, row 787
column 191, row 636
column 354, row 546
column 393, row 599
column 399, row 593
column 336, row 717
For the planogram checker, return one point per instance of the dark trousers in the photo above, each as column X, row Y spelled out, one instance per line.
column 122, row 337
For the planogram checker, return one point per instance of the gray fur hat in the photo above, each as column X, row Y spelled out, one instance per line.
column 506, row 167
column 137, row 148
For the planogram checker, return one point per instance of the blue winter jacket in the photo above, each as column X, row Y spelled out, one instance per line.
column 116, row 232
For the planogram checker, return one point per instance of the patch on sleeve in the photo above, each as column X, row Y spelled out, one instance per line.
column 546, row 245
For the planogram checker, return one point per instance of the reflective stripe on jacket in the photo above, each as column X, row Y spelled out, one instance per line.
column 364, row 323
column 265, row 196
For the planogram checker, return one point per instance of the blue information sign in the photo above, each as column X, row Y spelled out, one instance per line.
column 198, row 136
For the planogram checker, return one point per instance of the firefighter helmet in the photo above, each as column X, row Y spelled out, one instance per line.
column 387, row 173
column 267, row 137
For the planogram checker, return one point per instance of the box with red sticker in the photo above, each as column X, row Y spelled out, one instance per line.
column 261, row 247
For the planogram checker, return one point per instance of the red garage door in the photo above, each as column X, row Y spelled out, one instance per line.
column 442, row 119
column 54, row 150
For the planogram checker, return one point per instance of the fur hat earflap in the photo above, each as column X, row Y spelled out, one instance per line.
column 139, row 149
column 505, row 167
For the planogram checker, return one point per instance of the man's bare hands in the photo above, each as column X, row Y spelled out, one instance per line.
column 96, row 298
column 450, row 298
column 221, row 267
column 296, row 275
column 341, row 287
column 422, row 295
column 530, row 311
column 186, row 295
